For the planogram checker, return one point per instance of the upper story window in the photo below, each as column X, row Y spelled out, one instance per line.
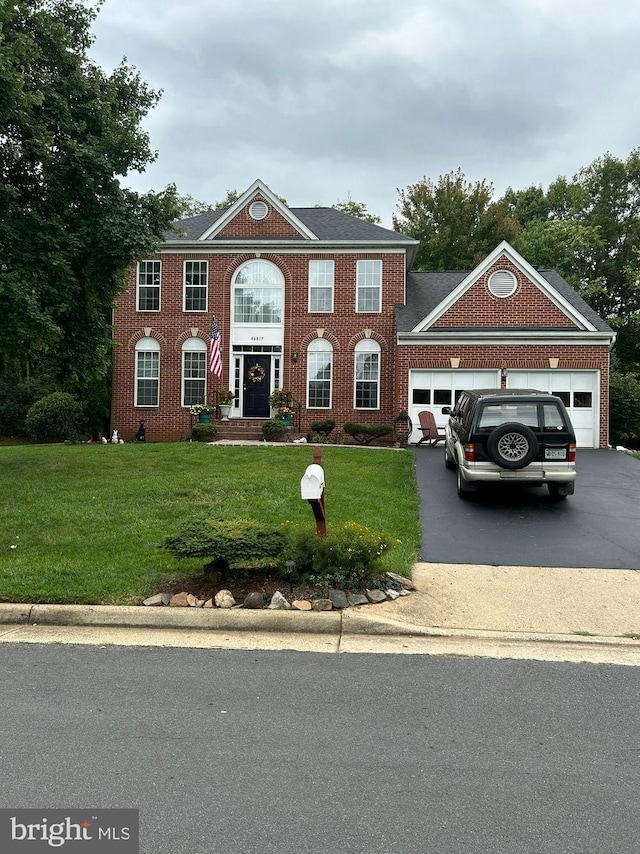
column 319, row 371
column 195, row 285
column 367, row 375
column 147, row 372
column 258, row 293
column 321, row 280
column 194, row 371
column 369, row 286
column 149, row 285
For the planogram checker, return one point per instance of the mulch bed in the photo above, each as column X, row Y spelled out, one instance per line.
column 206, row 585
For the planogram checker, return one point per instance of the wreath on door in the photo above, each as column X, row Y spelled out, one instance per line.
column 256, row 373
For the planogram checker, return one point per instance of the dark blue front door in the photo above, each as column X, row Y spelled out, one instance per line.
column 256, row 386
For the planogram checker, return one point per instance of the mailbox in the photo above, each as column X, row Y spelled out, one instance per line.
column 312, row 484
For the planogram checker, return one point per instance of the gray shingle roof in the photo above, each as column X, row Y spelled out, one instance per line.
column 325, row 223
column 426, row 290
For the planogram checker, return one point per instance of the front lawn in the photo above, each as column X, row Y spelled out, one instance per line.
column 85, row 523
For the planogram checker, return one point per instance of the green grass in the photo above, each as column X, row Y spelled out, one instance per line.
column 87, row 521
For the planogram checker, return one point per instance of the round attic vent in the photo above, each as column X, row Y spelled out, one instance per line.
column 258, row 210
column 502, row 283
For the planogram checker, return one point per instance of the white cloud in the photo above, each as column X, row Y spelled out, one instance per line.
column 334, row 97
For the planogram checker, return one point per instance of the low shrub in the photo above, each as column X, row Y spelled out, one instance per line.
column 274, row 430
column 55, row 418
column 323, row 427
column 364, row 434
column 347, row 558
column 225, row 542
column 204, row 432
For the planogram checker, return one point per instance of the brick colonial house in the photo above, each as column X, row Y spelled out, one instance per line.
column 326, row 306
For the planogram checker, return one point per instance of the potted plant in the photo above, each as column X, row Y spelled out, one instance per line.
column 278, row 398
column 225, row 400
column 285, row 413
column 203, row 412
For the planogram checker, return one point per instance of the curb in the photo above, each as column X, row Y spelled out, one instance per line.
column 350, row 622
column 135, row 616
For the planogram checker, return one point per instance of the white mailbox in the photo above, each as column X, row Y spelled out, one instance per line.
column 312, row 484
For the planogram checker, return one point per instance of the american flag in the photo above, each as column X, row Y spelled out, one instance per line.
column 215, row 356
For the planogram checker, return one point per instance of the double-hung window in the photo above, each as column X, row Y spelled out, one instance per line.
column 367, row 375
column 321, row 279
column 194, row 371
column 149, row 273
column 369, row 286
column 195, row 285
column 147, row 372
column 319, row 371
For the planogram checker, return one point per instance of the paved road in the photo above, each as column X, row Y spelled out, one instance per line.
column 599, row 526
column 300, row 753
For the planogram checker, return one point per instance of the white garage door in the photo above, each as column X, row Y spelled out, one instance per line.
column 434, row 389
column 579, row 391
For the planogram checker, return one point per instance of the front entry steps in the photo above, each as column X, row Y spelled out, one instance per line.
column 249, row 429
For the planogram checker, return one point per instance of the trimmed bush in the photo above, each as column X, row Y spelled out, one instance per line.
column 364, row 434
column 348, row 557
column 274, row 430
column 226, row 542
column 204, row 432
column 55, row 418
column 323, row 427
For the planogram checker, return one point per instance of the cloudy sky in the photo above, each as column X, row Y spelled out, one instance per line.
column 330, row 99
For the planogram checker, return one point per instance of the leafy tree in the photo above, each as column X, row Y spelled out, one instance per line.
column 528, row 205
column 68, row 230
column 455, row 221
column 357, row 209
column 624, row 409
column 588, row 228
column 189, row 206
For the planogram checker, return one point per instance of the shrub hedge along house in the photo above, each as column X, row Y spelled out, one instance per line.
column 327, row 306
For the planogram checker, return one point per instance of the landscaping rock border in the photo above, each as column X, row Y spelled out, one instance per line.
column 387, row 587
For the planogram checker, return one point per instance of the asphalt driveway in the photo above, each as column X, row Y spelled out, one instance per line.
column 599, row 526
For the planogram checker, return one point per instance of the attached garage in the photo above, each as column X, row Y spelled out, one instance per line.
column 432, row 390
column 578, row 390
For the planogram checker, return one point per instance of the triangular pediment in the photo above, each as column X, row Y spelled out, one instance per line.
column 533, row 303
column 258, row 214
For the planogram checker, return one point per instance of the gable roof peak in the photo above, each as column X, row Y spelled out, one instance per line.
column 258, row 188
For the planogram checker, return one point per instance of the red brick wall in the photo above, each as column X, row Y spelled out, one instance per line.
column 171, row 326
column 343, row 329
column 243, row 225
column 528, row 306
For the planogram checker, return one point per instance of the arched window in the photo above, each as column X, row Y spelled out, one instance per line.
column 319, row 374
column 147, row 372
column 367, row 375
column 194, row 371
column 258, row 293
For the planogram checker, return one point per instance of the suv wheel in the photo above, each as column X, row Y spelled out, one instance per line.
column 512, row 445
column 465, row 489
column 449, row 462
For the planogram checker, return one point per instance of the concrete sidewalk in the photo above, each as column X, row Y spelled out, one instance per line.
column 500, row 612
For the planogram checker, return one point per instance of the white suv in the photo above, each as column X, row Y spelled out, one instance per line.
column 510, row 436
